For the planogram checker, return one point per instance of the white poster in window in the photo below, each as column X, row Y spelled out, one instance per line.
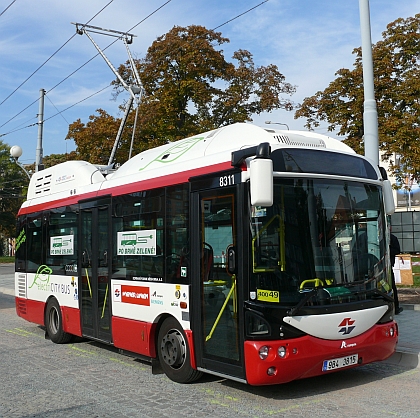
column 402, row 263
column 137, row 242
column 62, row 245
column 397, row 276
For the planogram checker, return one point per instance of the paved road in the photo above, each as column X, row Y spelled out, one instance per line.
column 42, row 379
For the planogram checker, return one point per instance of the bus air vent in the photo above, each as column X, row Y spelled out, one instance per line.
column 22, row 285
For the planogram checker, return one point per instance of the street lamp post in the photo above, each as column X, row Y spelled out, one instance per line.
column 370, row 114
column 268, row 122
column 16, row 152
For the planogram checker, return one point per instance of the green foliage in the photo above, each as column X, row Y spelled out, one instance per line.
column 94, row 139
column 13, row 188
column 397, row 90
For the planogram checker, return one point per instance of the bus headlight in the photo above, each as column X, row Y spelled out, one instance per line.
column 281, row 351
column 263, row 352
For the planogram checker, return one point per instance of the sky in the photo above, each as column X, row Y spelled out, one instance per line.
column 308, row 40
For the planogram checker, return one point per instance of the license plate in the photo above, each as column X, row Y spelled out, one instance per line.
column 339, row 363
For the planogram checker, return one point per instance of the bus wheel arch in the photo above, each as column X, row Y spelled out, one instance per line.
column 53, row 320
column 173, row 351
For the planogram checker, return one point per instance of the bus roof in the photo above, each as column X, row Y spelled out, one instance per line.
column 180, row 160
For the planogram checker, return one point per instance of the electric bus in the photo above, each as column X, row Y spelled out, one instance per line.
column 253, row 254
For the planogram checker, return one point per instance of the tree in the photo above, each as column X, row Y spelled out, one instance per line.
column 54, row 159
column 13, row 188
column 94, row 139
column 189, row 88
column 192, row 88
column 397, row 91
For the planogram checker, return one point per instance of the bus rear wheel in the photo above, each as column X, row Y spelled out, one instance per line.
column 174, row 353
column 54, row 323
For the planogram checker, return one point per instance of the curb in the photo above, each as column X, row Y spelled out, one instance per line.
column 410, row 307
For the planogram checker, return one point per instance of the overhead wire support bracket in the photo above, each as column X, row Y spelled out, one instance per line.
column 81, row 28
column 123, row 35
column 135, row 90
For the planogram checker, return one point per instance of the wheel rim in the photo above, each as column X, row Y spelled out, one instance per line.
column 173, row 349
column 54, row 320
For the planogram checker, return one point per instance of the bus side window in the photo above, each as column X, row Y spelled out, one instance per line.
column 20, row 246
column 177, row 255
column 133, row 215
column 61, row 241
column 34, row 243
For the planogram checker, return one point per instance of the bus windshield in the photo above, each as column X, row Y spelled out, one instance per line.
column 323, row 237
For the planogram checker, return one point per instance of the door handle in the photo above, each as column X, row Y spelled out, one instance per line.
column 105, row 259
column 85, row 259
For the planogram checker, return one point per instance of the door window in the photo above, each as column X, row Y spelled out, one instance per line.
column 219, row 291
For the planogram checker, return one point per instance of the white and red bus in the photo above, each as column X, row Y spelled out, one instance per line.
column 253, row 254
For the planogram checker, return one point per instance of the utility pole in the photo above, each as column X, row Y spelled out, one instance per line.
column 39, row 152
column 370, row 114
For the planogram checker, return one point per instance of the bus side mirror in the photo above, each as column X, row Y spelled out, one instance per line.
column 389, row 202
column 261, row 177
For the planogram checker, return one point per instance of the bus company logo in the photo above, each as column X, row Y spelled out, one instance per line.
column 346, row 326
column 156, row 298
column 156, row 295
column 42, row 278
column 345, row 345
column 117, row 293
column 157, row 302
column 137, row 295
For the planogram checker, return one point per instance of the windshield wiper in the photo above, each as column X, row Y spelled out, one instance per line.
column 383, row 295
column 302, row 302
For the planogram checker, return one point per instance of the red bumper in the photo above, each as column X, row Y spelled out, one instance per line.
column 305, row 356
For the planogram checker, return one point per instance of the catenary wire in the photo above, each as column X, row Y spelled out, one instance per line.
column 59, row 49
column 55, row 107
column 77, row 69
column 1, row 14
column 129, row 30
column 56, row 114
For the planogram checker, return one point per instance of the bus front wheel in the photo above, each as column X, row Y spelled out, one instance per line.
column 54, row 323
column 174, row 353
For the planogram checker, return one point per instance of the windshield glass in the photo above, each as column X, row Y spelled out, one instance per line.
column 320, row 236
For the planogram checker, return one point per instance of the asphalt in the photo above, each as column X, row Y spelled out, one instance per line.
column 408, row 348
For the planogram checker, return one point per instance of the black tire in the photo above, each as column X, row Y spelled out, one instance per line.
column 174, row 353
column 54, row 323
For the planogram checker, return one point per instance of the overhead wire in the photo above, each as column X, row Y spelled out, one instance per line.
column 59, row 112
column 80, row 67
column 80, row 101
column 77, row 69
column 1, row 14
column 240, row 15
column 59, row 49
column 56, row 114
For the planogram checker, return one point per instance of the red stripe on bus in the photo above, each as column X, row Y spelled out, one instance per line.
column 167, row 180
column 30, row 310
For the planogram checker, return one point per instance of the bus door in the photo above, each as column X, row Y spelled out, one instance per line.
column 216, row 320
column 95, row 264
